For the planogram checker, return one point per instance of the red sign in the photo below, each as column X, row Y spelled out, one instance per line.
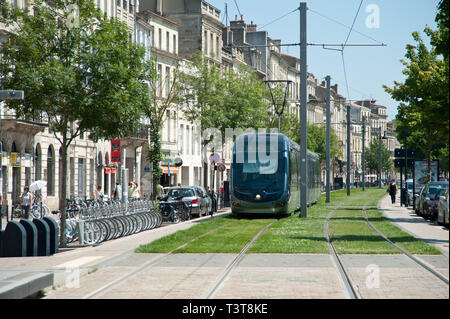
column 113, row 170
column 107, row 170
column 115, row 151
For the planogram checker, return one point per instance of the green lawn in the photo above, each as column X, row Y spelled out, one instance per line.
column 349, row 231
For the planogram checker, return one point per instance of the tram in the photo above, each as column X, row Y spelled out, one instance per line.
column 265, row 175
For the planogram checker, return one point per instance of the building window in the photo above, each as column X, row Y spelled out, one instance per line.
column 160, row 39
column 206, row 42
column 167, row 81
column 131, row 7
column 167, row 41
column 174, row 44
column 180, row 139
column 211, row 36
column 217, row 47
column 159, row 79
column 124, row 4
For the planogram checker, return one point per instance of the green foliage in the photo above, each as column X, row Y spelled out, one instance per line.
column 372, row 157
column 82, row 73
column 423, row 113
column 317, row 139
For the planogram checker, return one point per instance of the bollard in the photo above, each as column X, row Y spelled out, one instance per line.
column 14, row 242
column 54, row 233
column 80, row 226
column 32, row 234
column 43, row 248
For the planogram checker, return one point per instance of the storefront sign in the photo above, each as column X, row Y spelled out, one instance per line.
column 14, row 159
column 115, row 151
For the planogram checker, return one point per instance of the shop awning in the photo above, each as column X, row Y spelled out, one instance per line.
column 173, row 169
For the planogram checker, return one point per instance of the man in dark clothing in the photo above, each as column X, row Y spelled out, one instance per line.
column 392, row 190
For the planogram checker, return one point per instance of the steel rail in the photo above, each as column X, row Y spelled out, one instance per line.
column 235, row 262
column 415, row 259
column 348, row 283
column 152, row 262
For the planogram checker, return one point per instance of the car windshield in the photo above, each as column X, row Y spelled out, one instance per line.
column 434, row 190
column 181, row 192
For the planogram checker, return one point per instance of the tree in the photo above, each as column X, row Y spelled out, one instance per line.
column 156, row 111
column 317, row 139
column 372, row 157
column 221, row 99
column 82, row 73
column 423, row 113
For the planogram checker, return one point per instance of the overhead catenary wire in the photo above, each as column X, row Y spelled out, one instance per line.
column 277, row 19
column 345, row 26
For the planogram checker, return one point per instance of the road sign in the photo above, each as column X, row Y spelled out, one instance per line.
column 11, row 95
column 400, row 162
column 221, row 167
column 214, row 158
column 400, row 152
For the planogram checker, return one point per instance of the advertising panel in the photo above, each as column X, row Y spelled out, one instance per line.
column 420, row 171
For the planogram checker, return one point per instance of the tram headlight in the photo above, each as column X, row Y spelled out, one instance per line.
column 258, row 196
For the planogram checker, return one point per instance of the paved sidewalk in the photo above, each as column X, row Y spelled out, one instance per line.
column 84, row 259
column 422, row 229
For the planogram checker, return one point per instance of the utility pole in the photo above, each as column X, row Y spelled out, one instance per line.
column 349, row 155
column 379, row 160
column 303, row 111
column 363, row 153
column 328, row 129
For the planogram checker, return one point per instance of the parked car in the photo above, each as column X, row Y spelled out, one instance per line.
column 443, row 209
column 426, row 199
column 409, row 186
column 190, row 193
column 207, row 202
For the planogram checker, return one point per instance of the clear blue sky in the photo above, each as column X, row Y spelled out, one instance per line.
column 368, row 68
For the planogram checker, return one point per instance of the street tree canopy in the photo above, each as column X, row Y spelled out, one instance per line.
column 78, row 67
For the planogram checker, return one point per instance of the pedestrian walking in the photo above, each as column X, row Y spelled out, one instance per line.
column 392, row 190
column 25, row 201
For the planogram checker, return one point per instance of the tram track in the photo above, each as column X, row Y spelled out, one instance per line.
column 111, row 285
column 350, row 286
column 234, row 263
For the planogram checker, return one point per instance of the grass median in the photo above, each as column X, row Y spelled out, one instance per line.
column 348, row 228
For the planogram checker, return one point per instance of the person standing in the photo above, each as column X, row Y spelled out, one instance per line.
column 392, row 190
column 118, row 191
column 98, row 194
column 25, row 200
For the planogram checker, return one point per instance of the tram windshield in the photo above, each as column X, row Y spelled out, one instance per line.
column 252, row 174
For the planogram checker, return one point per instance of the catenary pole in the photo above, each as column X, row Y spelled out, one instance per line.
column 328, row 117
column 363, row 153
column 348, row 150
column 303, row 111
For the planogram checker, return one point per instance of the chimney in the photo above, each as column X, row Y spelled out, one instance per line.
column 252, row 27
column 242, row 17
column 323, row 84
column 235, row 17
column 335, row 88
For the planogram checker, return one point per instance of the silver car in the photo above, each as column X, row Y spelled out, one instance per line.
column 190, row 193
column 443, row 209
column 206, row 200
